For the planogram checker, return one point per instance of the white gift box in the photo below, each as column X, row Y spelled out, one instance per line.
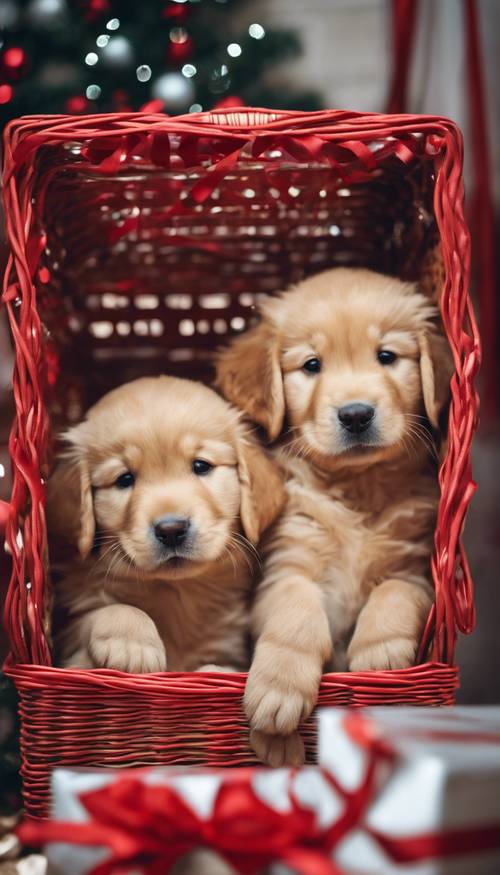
column 445, row 779
column 398, row 791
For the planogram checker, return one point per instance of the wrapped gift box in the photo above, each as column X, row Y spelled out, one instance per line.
column 437, row 811
column 408, row 790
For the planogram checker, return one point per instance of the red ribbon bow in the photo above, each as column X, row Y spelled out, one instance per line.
column 150, row 826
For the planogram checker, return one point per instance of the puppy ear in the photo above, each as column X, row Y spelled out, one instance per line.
column 263, row 493
column 436, row 369
column 248, row 373
column 69, row 506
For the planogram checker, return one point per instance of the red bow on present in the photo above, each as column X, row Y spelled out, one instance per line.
column 150, row 826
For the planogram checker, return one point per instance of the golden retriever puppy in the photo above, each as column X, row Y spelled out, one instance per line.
column 165, row 494
column 355, row 362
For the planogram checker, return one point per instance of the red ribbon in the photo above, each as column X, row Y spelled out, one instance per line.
column 404, row 19
column 150, row 827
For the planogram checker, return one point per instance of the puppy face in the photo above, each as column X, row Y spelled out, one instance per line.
column 165, row 473
column 351, row 357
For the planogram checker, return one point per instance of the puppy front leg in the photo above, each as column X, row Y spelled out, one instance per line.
column 124, row 638
column 389, row 627
column 283, row 682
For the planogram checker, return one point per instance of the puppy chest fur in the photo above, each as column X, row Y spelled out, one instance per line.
column 200, row 622
column 355, row 532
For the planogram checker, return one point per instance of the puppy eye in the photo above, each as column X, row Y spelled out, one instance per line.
column 125, row 481
column 386, row 356
column 200, row 467
column 312, row 366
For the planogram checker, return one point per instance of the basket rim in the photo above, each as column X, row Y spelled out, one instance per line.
column 54, row 676
column 243, row 118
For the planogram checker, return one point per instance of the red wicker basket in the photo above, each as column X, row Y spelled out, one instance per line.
column 138, row 243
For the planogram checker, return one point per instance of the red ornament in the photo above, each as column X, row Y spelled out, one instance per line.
column 5, row 94
column 14, row 62
column 177, row 12
column 121, row 100
column 94, row 9
column 77, row 105
column 229, row 102
column 180, row 52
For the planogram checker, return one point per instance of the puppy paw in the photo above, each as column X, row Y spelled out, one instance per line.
column 126, row 639
column 278, row 750
column 280, row 692
column 393, row 653
column 276, row 711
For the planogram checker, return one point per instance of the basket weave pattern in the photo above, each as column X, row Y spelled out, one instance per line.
column 138, row 244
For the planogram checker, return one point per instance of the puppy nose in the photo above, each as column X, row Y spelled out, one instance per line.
column 356, row 417
column 171, row 531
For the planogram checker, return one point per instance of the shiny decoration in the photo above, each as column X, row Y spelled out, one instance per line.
column 14, row 58
column 47, row 13
column 176, row 12
column 256, row 31
column 118, row 53
column 178, row 35
column 6, row 94
column 93, row 92
column 14, row 62
column 234, row 50
column 176, row 92
column 196, row 107
column 94, row 9
column 77, row 105
column 109, row 44
column 121, row 100
column 179, row 52
column 143, row 73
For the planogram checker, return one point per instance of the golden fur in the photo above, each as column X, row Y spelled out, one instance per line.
column 128, row 603
column 346, row 579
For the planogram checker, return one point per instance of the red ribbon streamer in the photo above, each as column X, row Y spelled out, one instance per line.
column 404, row 17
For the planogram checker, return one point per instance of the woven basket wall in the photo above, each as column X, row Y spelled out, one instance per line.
column 138, row 244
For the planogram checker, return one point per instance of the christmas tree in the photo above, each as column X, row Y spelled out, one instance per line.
column 82, row 56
